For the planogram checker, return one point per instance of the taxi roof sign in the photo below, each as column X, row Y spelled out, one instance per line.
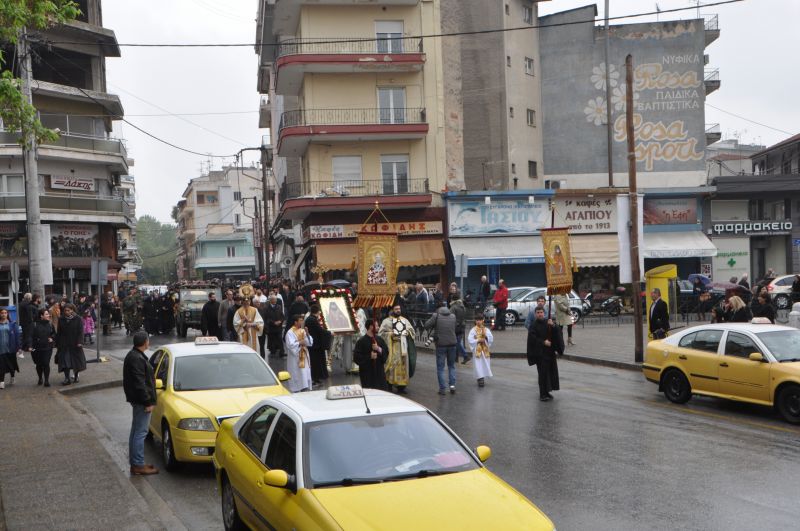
column 206, row 340
column 339, row 392
column 760, row 320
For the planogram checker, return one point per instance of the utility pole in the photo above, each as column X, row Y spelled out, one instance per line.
column 32, row 213
column 638, row 353
column 609, row 136
column 266, row 163
column 257, row 240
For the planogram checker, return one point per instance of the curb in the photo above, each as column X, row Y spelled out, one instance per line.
column 625, row 365
column 89, row 387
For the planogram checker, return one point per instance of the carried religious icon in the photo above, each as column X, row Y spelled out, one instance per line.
column 558, row 257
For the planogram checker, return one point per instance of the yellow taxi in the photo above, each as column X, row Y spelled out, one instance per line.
column 199, row 385
column 353, row 459
column 750, row 362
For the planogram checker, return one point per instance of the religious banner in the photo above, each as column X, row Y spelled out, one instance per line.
column 337, row 309
column 377, row 269
column 558, row 260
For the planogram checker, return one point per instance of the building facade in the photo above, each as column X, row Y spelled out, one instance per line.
column 224, row 252
column 354, row 123
column 81, row 173
column 671, row 82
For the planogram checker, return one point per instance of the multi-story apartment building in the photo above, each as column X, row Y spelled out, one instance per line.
column 730, row 157
column 217, row 204
column 127, row 249
column 493, row 81
column 81, row 173
column 356, row 110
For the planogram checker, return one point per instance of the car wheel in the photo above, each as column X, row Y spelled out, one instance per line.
column 576, row 315
column 230, row 516
column 789, row 404
column 167, row 448
column 676, row 387
column 511, row 318
column 782, row 302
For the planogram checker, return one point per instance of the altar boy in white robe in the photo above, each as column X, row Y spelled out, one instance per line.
column 298, row 362
column 480, row 340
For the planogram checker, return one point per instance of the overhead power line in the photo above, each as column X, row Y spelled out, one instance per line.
column 428, row 36
column 749, row 120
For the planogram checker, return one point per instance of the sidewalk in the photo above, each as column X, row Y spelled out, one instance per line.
column 54, row 472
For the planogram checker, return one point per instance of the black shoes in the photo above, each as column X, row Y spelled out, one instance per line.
column 442, row 392
column 546, row 398
column 481, row 382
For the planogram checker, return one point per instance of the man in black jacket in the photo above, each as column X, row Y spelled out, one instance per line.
column 321, row 341
column 209, row 323
column 139, row 383
column 273, row 319
column 544, row 343
column 658, row 316
column 370, row 354
column 298, row 307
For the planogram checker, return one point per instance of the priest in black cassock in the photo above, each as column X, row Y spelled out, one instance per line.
column 544, row 342
column 370, row 355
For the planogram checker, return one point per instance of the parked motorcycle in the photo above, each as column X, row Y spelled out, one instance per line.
column 612, row 305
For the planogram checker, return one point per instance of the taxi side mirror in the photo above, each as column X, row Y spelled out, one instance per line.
column 484, row 453
column 159, row 383
column 280, row 479
column 284, row 376
column 756, row 356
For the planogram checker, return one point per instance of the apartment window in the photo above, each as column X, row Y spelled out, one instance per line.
column 529, row 66
column 508, row 10
column 231, row 250
column 237, row 196
column 394, row 173
column 346, row 171
column 12, row 185
column 508, row 60
column 207, row 198
column 531, row 117
column 392, row 104
column 532, row 169
column 389, row 35
column 527, row 14
column 513, row 169
column 511, row 112
column 237, row 219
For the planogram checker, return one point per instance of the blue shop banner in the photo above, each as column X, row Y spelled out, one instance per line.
column 501, row 217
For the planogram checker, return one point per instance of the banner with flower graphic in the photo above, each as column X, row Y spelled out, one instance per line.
column 558, row 260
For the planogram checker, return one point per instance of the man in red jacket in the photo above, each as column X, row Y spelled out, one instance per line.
column 501, row 304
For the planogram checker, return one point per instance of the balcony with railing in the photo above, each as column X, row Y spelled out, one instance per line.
column 713, row 133
column 68, row 207
column 296, row 57
column 300, row 127
column 286, row 14
column 73, row 147
column 711, row 80
column 711, row 26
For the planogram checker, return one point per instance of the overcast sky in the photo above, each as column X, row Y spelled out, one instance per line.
column 214, row 89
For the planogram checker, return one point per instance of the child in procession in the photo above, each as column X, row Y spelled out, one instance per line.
column 480, row 340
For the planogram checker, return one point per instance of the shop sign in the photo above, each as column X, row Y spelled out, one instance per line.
column 589, row 215
column 748, row 228
column 672, row 211
column 403, row 228
column 501, row 217
column 63, row 182
column 74, row 240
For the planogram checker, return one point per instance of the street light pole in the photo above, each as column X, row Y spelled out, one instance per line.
column 31, row 168
column 638, row 353
column 609, row 145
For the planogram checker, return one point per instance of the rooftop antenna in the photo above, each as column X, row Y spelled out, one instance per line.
column 658, row 11
column 364, row 396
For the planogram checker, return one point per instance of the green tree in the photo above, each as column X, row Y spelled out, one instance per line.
column 16, row 113
column 158, row 248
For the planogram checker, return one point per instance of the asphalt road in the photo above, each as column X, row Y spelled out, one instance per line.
column 608, row 453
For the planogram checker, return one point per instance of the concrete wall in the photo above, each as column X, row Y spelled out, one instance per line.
column 669, row 100
column 355, row 21
column 358, row 91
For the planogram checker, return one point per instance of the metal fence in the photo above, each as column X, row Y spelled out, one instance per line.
column 369, row 116
column 356, row 188
column 396, row 45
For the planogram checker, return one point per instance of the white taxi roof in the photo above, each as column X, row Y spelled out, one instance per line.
column 746, row 327
column 313, row 406
column 189, row 348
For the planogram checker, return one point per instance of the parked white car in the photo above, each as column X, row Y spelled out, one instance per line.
column 524, row 299
column 780, row 289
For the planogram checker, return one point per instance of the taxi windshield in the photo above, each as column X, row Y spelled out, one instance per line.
column 783, row 344
column 221, row 371
column 374, row 449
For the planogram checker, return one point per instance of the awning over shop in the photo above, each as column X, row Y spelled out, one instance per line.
column 300, row 259
column 499, row 250
column 688, row 244
column 409, row 252
column 595, row 250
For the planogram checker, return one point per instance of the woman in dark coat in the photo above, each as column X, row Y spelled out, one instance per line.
column 544, row 342
column 69, row 342
column 762, row 307
column 43, row 340
column 9, row 346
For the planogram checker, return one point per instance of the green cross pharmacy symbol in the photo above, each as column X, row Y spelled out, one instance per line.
column 731, row 262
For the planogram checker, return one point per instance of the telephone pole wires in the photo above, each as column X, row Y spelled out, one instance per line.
column 633, row 201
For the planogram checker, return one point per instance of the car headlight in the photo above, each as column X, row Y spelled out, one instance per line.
column 199, row 424
column 187, row 313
